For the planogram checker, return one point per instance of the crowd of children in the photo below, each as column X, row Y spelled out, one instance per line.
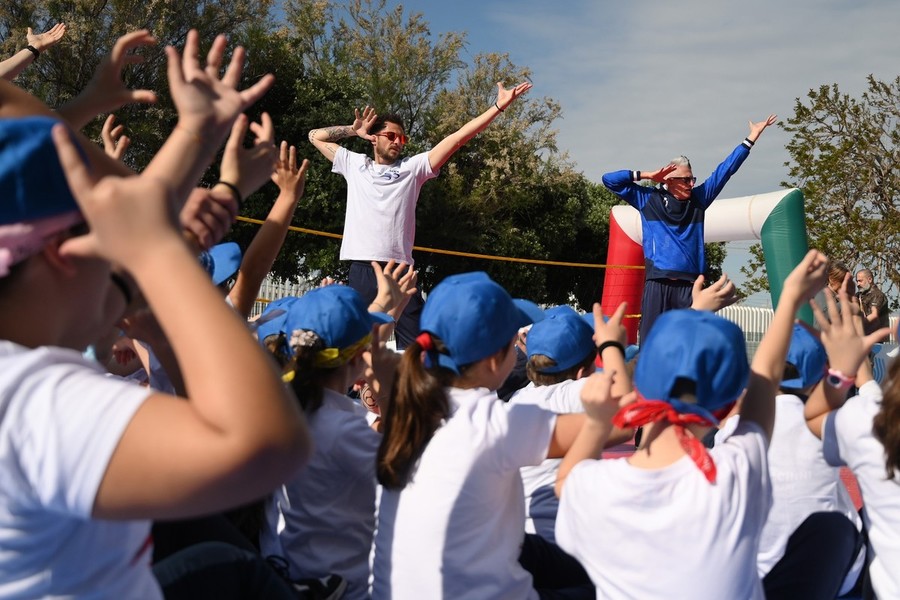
column 417, row 490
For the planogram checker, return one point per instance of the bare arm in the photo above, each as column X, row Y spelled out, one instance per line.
column 847, row 349
column 453, row 142
column 600, row 396
column 767, row 367
column 267, row 242
column 106, row 91
column 12, row 66
column 324, row 139
column 219, row 448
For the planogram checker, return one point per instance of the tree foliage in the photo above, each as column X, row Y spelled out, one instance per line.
column 845, row 156
column 508, row 192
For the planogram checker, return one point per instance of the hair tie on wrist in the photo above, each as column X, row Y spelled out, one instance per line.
column 33, row 50
column 498, row 107
column 234, row 191
column 610, row 344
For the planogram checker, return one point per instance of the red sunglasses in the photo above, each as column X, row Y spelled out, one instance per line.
column 391, row 136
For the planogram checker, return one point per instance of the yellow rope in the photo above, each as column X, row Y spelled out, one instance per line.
column 552, row 263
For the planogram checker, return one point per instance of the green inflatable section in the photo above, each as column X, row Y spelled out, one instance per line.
column 784, row 245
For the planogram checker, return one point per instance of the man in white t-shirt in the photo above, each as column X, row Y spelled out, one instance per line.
column 382, row 192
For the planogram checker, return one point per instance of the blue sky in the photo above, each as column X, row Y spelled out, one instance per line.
column 641, row 81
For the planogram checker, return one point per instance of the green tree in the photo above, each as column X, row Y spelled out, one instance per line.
column 93, row 27
column 845, row 156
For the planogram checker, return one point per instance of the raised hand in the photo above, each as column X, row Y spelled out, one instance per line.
column 808, row 277
column 42, row 41
column 207, row 104
column 610, row 330
column 506, row 97
column 207, row 216
column 249, row 168
column 718, row 295
column 115, row 143
column 362, row 122
column 396, row 285
column 660, row 175
column 128, row 216
column 287, row 176
column 106, row 91
column 841, row 329
column 758, row 128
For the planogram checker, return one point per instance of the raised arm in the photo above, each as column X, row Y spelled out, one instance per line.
column 240, row 433
column 453, row 142
column 767, row 367
column 716, row 296
column 847, row 349
column 115, row 142
column 757, row 128
column 35, row 44
column 601, row 394
column 324, row 139
column 106, row 91
column 266, row 244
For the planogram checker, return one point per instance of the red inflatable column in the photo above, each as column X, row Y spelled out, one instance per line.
column 623, row 284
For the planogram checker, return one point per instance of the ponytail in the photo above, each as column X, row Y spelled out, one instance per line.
column 886, row 424
column 307, row 380
column 417, row 407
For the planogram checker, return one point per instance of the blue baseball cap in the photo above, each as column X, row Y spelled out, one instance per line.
column 698, row 346
column 534, row 312
column 273, row 318
column 806, row 353
column 473, row 316
column 563, row 336
column 336, row 313
column 32, row 182
column 221, row 261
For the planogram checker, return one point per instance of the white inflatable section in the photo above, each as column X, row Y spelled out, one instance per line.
column 727, row 219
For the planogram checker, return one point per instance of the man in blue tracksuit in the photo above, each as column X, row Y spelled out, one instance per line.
column 672, row 215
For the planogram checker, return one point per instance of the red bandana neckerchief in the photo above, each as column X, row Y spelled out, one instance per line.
column 643, row 412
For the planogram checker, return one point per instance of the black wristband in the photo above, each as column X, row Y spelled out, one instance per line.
column 749, row 142
column 33, row 50
column 610, row 344
column 498, row 107
column 236, row 192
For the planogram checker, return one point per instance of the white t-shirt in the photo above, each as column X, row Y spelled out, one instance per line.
column 541, row 503
column 323, row 519
column 848, row 440
column 380, row 221
column 669, row 533
column 455, row 531
column 802, row 482
column 61, row 418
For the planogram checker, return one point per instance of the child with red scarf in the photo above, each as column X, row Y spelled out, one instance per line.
column 675, row 520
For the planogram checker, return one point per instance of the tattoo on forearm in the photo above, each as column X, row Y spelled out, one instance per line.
column 332, row 134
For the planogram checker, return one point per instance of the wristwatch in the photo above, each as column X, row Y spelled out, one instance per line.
column 838, row 380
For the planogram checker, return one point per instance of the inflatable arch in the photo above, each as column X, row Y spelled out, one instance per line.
column 776, row 219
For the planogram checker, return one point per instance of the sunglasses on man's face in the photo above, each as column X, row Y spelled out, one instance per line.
column 392, row 135
column 683, row 179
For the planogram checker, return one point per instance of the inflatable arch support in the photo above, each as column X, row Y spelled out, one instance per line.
column 776, row 219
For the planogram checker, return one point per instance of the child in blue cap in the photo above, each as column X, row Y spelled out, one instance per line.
column 452, row 510
column 561, row 355
column 322, row 520
column 674, row 520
